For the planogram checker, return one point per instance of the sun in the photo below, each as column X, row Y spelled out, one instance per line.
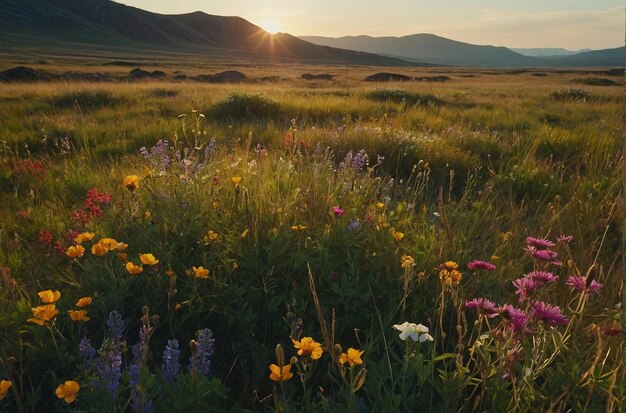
column 270, row 25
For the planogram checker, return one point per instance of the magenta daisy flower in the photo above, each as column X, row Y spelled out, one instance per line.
column 542, row 277
column 515, row 317
column 565, row 239
column 478, row 265
column 485, row 307
column 524, row 286
column 579, row 283
column 551, row 315
column 539, row 242
column 338, row 211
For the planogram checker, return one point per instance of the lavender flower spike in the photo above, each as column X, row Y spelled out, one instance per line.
column 171, row 361
column 201, row 356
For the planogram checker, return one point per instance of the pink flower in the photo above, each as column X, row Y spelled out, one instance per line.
column 481, row 265
column 579, row 283
column 543, row 255
column 542, row 277
column 515, row 317
column 549, row 314
column 525, row 286
column 539, row 242
column 566, row 239
column 484, row 307
column 338, row 211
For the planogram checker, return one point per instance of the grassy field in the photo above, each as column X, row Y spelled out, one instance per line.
column 325, row 210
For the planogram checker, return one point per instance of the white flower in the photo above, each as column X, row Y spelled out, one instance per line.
column 417, row 332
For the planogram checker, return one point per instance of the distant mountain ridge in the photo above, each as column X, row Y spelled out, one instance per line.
column 439, row 50
column 108, row 24
column 547, row 51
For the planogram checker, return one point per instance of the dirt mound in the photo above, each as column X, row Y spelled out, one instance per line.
column 431, row 79
column 597, row 81
column 388, row 77
column 229, row 76
column 321, row 76
column 139, row 73
column 25, row 74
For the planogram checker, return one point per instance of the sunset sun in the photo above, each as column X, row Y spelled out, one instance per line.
column 270, row 25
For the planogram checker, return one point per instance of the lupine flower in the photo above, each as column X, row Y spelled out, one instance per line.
column 78, row 315
column 481, row 265
column 352, row 356
column 354, row 225
column 109, row 364
column 67, row 391
column 202, row 350
column 338, row 211
column 308, row 347
column 566, row 239
column 280, row 373
column 83, row 301
column 131, row 182
column 417, row 332
column 525, row 285
column 549, row 314
column 484, row 307
column 49, row 296
column 200, row 272
column 84, row 237
column 171, row 360
column 580, row 283
column 5, row 385
column 43, row 313
column 140, row 401
column 515, row 317
column 133, row 269
column 86, row 350
column 539, row 242
column 75, row 251
column 116, row 325
column 148, row 259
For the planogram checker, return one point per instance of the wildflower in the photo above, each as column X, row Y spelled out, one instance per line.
column 109, row 243
column 83, row 301
column 212, row 236
column 84, row 237
column 354, row 225
column 244, row 233
column 169, row 273
column 525, row 285
column 380, row 205
column 68, row 391
column 45, row 237
column 417, row 332
column 539, row 242
column 133, row 269
column 171, row 363
column 75, row 251
column 78, row 315
column 236, row 180
column 280, row 373
column 200, row 272
column 109, row 365
column 352, row 356
column 49, row 296
column 338, row 211
column 407, row 261
column 86, row 350
column 542, row 277
column 580, row 283
column 449, row 274
column 148, row 259
column 121, row 246
column 484, row 307
column 549, row 314
column 202, row 350
column 115, row 325
column 478, row 265
column 296, row 228
column 515, row 317
column 43, row 313
column 308, row 347
column 99, row 249
column 544, row 255
column 5, row 385
column 131, row 182
column 397, row 236
column 565, row 239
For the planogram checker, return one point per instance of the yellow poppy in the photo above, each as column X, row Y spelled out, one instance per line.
column 133, row 269
column 83, row 301
column 43, row 313
column 49, row 296
column 78, row 315
column 397, row 235
column 148, row 259
column 83, row 237
column 75, row 251
column 280, row 373
column 5, row 385
column 131, row 182
column 99, row 249
column 67, row 391
column 200, row 272
column 236, row 180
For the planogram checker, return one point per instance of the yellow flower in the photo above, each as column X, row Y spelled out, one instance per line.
column 236, row 180
column 83, row 301
column 147, row 215
column 298, row 228
column 380, row 205
column 131, row 182
column 43, row 313
column 148, row 259
column 122, row 256
column 67, row 391
column 200, row 272
column 78, row 315
column 397, row 235
column 212, row 236
column 407, row 261
column 75, row 251
column 5, row 385
column 280, row 373
column 121, row 246
column 449, row 274
column 353, row 357
column 85, row 236
column 169, row 273
column 99, row 249
column 235, row 265
column 133, row 269
column 308, row 347
column 49, row 296
column 451, row 265
column 109, row 243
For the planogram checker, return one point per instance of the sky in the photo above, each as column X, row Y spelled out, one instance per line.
column 570, row 24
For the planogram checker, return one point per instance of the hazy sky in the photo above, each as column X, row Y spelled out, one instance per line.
column 572, row 24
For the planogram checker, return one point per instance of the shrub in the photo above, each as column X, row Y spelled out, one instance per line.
column 402, row 96
column 246, row 105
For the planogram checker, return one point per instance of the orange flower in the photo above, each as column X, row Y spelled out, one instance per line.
column 131, row 182
column 67, row 391
column 43, row 313
column 49, row 296
column 308, row 347
column 83, row 301
column 236, row 180
column 85, row 236
column 78, row 315
column 148, row 259
column 75, row 251
column 99, row 249
column 133, row 269
column 5, row 385
column 397, row 235
column 110, row 243
column 169, row 273
column 200, row 272
column 280, row 373
column 353, row 356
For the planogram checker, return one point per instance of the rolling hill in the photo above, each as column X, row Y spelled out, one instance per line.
column 90, row 26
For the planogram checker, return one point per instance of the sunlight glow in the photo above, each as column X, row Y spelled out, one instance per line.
column 270, row 25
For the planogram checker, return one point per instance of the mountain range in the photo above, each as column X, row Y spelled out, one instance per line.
column 104, row 28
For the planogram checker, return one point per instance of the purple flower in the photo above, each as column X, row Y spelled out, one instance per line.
column 201, row 357
column 542, row 277
column 543, row 255
column 115, row 325
column 525, row 286
column 171, row 360
column 86, row 350
column 539, row 242
column 338, row 211
column 484, row 307
column 566, row 239
column 579, row 283
column 354, row 225
column 109, row 367
column 515, row 317
column 481, row 265
column 549, row 314
column 140, row 402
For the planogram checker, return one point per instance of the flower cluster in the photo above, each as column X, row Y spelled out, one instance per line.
column 449, row 274
column 540, row 249
column 48, row 311
column 416, row 332
column 93, row 206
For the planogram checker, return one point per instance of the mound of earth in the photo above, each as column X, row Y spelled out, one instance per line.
column 25, row 74
column 229, row 76
column 139, row 73
column 388, row 77
column 432, row 79
column 321, row 76
column 597, row 81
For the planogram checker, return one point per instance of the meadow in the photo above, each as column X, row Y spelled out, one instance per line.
column 292, row 245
